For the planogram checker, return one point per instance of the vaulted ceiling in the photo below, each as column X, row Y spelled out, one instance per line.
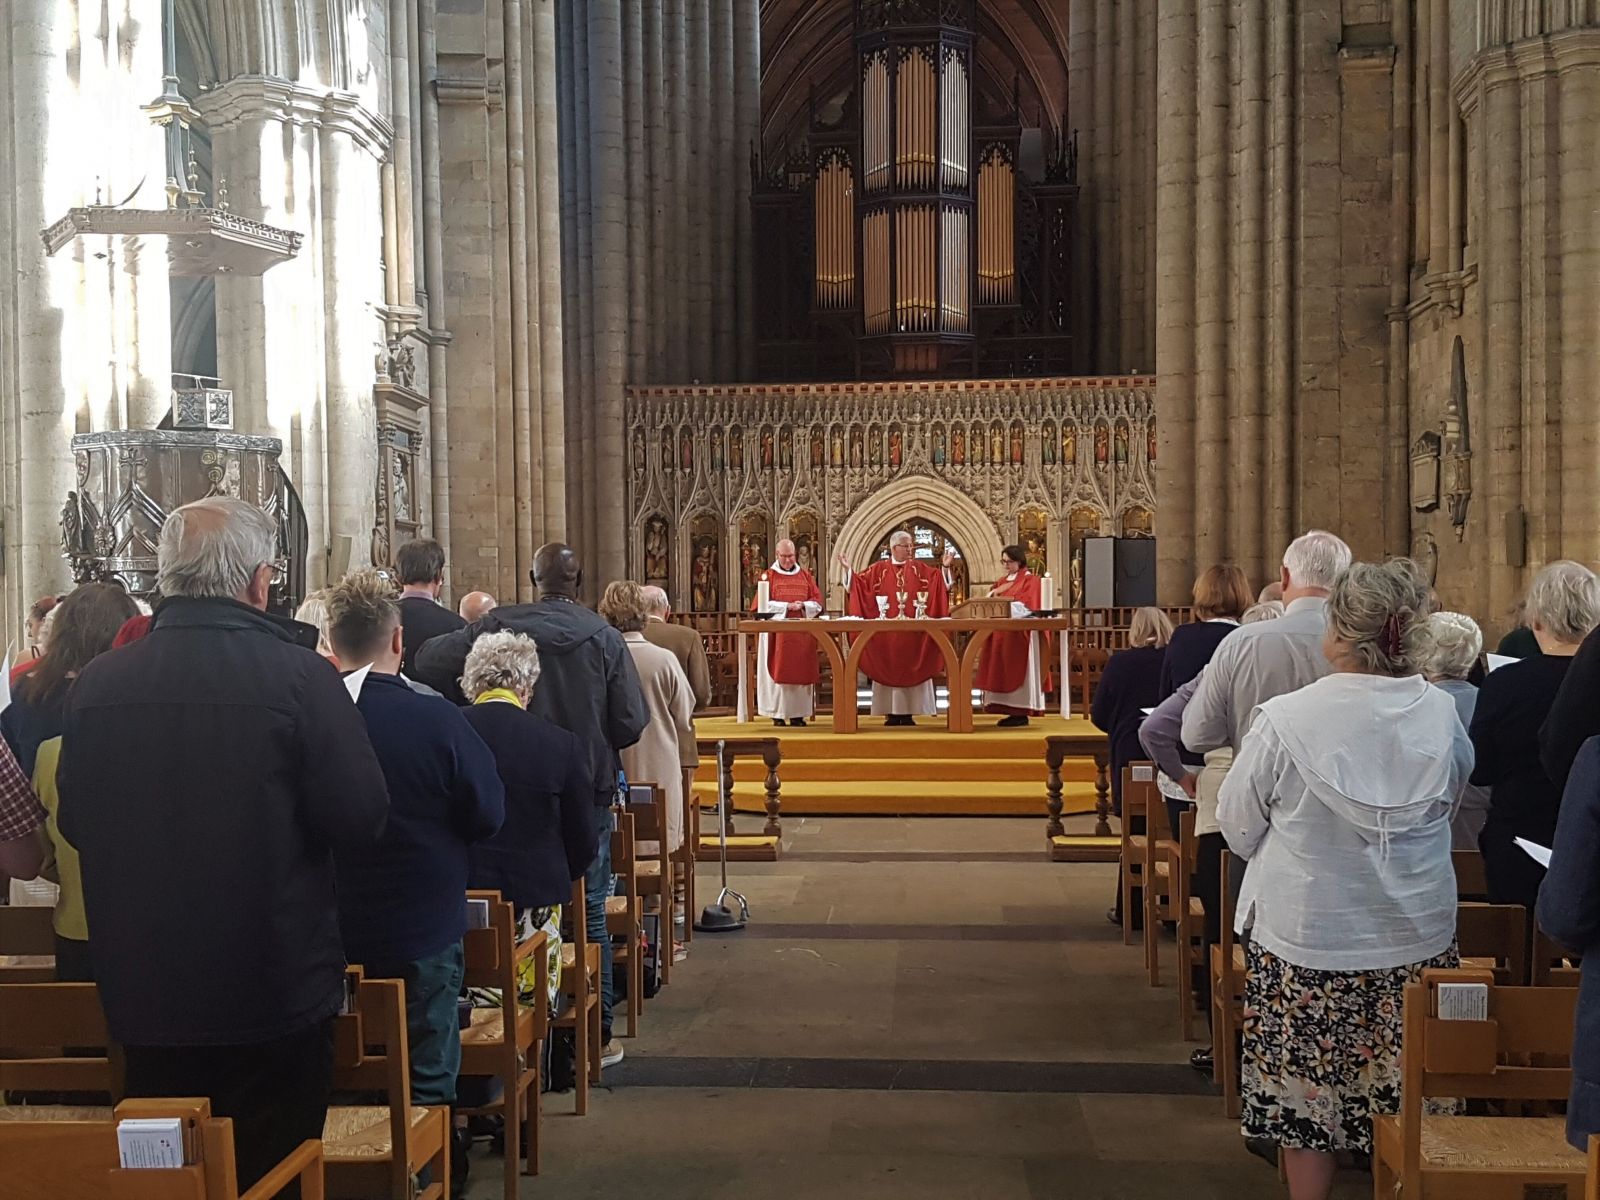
column 807, row 48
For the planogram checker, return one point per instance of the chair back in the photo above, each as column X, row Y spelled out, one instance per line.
column 1497, row 933
column 494, row 959
column 1472, row 881
column 36, row 1021
column 1230, row 908
column 624, row 856
column 645, row 802
column 1553, row 964
column 27, row 933
column 372, row 1053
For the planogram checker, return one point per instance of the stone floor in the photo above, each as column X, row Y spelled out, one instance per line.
column 921, row 1008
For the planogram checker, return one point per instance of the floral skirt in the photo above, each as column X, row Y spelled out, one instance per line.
column 1322, row 1050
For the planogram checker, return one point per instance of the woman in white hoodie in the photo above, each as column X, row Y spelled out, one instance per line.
column 1341, row 798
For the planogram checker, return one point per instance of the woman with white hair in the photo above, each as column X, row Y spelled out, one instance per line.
column 1456, row 646
column 1340, row 797
column 313, row 611
column 1563, row 606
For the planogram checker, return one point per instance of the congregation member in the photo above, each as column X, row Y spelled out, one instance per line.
column 686, row 644
column 1575, row 716
column 82, row 627
column 587, row 686
column 1159, row 735
column 1011, row 671
column 207, row 774
column 1127, row 687
column 420, row 567
column 403, row 901
column 1454, row 648
column 34, row 629
column 23, row 842
column 1563, row 607
column 1260, row 661
column 475, row 606
column 786, row 663
column 1221, row 594
column 689, row 648
column 656, row 756
column 1341, row 797
column 548, row 839
column 901, row 666
column 313, row 611
column 1569, row 912
column 1519, row 641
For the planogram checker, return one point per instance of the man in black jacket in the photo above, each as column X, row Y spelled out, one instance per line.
column 587, row 686
column 207, row 774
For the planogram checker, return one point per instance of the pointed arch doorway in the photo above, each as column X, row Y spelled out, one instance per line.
column 918, row 501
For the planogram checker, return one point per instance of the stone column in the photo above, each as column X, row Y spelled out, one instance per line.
column 680, row 214
column 433, row 267
column 518, row 280
column 1502, row 283
column 1175, row 298
column 1279, row 454
column 702, row 177
column 610, row 268
column 353, row 142
column 1214, row 494
column 722, row 182
column 1101, row 192
column 552, row 383
column 1574, row 494
column 657, row 140
column 1397, row 430
column 1440, row 112
column 633, row 99
column 747, row 129
column 1247, row 345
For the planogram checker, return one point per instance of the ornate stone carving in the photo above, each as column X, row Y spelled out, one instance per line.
column 1456, row 448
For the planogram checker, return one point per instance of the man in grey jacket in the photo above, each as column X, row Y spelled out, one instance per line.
column 587, row 685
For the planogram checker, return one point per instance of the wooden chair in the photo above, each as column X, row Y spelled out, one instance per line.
column 1088, row 663
column 625, row 918
column 1161, row 868
column 1136, row 799
column 1591, row 1189
column 27, row 943
column 1494, row 937
column 1472, row 882
column 507, row 1043
column 374, row 1152
column 53, row 1160
column 1227, row 998
column 580, row 984
column 1553, row 964
column 1417, row 1156
column 655, row 868
column 37, row 1020
column 689, row 853
column 1191, row 921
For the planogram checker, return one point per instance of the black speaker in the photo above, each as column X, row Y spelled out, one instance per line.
column 1135, row 585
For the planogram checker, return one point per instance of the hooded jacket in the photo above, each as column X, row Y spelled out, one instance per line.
column 587, row 684
column 1341, row 797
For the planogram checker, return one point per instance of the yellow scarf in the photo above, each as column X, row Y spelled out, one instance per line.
column 499, row 696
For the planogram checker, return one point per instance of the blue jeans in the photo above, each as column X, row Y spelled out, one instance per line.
column 433, row 985
column 597, row 884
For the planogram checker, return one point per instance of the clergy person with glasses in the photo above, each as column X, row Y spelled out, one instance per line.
column 786, row 663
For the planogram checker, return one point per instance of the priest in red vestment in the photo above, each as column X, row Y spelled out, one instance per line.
column 1011, row 670
column 786, row 663
column 901, row 666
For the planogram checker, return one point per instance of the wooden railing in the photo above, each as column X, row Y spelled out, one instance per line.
column 1095, row 634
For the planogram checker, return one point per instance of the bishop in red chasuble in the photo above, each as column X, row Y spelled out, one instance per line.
column 786, row 663
column 901, row 666
column 1011, row 669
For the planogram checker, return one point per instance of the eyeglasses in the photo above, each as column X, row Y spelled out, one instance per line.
column 280, row 570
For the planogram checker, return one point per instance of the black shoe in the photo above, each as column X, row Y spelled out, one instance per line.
column 1014, row 721
column 778, row 722
column 1263, row 1149
column 1202, row 1061
column 896, row 722
column 460, row 1143
column 797, row 722
column 1114, row 917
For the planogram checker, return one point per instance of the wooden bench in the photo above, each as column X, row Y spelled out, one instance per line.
column 1191, row 922
column 63, row 1160
column 1133, row 835
column 1421, row 1156
column 37, row 1022
column 581, row 979
column 27, row 943
column 1227, row 996
column 1494, row 937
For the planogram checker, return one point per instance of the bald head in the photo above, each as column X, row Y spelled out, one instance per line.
column 556, row 570
column 474, row 605
column 656, row 603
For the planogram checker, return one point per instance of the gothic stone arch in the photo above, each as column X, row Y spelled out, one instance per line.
column 918, row 495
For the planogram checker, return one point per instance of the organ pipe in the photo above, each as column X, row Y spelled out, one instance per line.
column 835, row 220
column 997, row 279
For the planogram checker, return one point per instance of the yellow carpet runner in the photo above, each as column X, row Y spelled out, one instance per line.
column 923, row 771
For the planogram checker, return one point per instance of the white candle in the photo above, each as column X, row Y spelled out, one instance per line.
column 763, row 594
column 1047, row 592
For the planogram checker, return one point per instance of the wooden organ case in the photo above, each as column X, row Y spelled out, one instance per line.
column 908, row 237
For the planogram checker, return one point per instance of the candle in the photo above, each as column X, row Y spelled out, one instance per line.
column 1047, row 592
column 763, row 594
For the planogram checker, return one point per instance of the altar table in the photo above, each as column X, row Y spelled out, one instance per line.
column 844, row 638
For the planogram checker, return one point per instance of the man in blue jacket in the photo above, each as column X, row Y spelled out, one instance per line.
column 402, row 902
